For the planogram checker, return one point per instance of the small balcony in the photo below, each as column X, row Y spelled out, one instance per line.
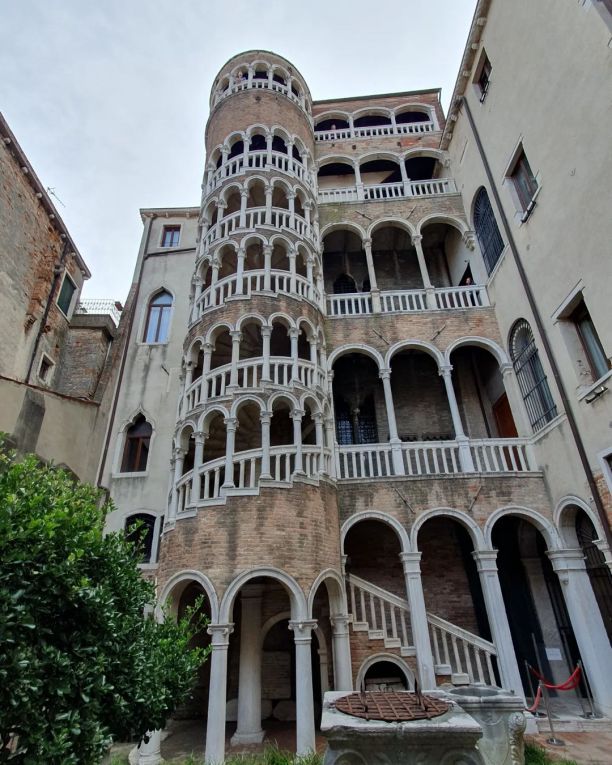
column 263, row 160
column 385, row 191
column 407, row 301
column 374, row 123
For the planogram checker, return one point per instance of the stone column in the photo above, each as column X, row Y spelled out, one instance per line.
column 374, row 291
column 240, row 271
column 265, row 418
column 396, row 444
column 269, row 192
column 200, row 440
column 291, row 201
column 307, row 208
column 296, row 416
column 172, row 506
column 293, row 336
column 266, row 333
column 244, row 196
column 269, row 139
column 309, row 269
column 149, row 753
column 329, row 434
column 302, row 631
column 358, row 181
column 465, row 455
column 249, row 729
column 188, row 381
column 217, row 694
column 267, row 251
column 225, row 151
column 230, row 425
column 588, row 626
column 236, row 336
column 427, row 285
column 343, row 670
column 208, row 349
column 214, row 278
column 320, row 440
column 486, row 562
column 292, row 256
column 411, row 561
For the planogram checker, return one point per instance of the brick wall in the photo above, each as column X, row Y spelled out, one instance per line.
column 84, row 355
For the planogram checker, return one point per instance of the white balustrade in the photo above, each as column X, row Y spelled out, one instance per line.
column 430, row 458
column 461, row 297
column 253, row 282
column 349, row 304
column 246, row 473
column 461, row 651
column 378, row 191
column 256, row 218
column 257, row 160
column 403, row 301
column 257, row 84
column 502, row 455
column 376, row 130
column 382, row 613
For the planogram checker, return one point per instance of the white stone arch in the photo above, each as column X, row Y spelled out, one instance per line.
column 417, row 345
column 251, row 317
column 423, row 151
column 283, row 71
column 179, row 434
column 567, row 533
column 253, row 238
column 252, row 179
column 470, row 525
column 310, row 399
column 248, row 398
column 375, row 111
column 257, row 128
column 300, row 146
column 411, row 106
column 278, row 181
column 311, row 334
column 544, row 525
column 185, row 578
column 392, row 659
column 234, row 137
column 259, row 63
column 376, row 515
column 370, row 156
column 480, row 342
column 355, row 228
column 216, row 329
column 284, row 240
column 285, row 395
column 232, row 186
column 207, row 416
column 450, row 220
column 392, row 222
column 338, row 597
column 299, row 608
column 362, row 348
column 281, row 132
column 342, row 159
column 283, row 318
column 332, row 114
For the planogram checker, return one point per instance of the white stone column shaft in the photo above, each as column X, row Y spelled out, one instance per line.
column 411, row 562
column 396, row 444
column 305, row 733
column 418, row 246
column 249, row 729
column 266, row 333
column 343, row 671
column 196, row 483
column 217, row 694
column 230, row 426
column 240, row 271
column 265, row 418
column 486, row 562
column 236, row 336
column 465, row 454
column 296, row 416
column 293, row 336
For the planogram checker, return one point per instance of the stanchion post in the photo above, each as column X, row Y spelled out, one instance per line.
column 536, row 712
column 592, row 714
column 552, row 740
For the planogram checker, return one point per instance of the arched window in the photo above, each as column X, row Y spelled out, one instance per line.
column 530, row 374
column 158, row 318
column 136, row 447
column 140, row 531
column 489, row 238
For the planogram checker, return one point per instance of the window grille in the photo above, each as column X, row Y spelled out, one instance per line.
column 530, row 375
column 489, row 238
column 597, row 568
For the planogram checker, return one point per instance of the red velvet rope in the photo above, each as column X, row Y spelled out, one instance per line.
column 536, row 702
column 572, row 681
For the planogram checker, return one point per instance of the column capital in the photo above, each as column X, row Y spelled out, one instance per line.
column 225, row 150
column 266, row 331
column 267, row 249
column 188, row 364
column 297, row 414
column 302, row 629
column 265, row 417
column 367, row 242
column 411, row 561
column 317, row 417
column 486, row 560
column 244, row 193
column 564, row 561
column 241, row 253
column 340, row 623
column 200, row 436
column 469, row 240
column 236, row 335
column 385, row 374
column 220, row 634
column 179, row 452
column 445, row 370
column 231, row 423
column 293, row 332
column 208, row 347
column 417, row 239
column 222, row 204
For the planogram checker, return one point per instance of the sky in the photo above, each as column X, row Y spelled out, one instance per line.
column 109, row 98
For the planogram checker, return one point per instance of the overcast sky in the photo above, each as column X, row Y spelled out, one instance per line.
column 109, row 98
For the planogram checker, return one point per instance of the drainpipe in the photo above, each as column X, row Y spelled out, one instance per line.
column 57, row 272
column 124, row 355
column 541, row 329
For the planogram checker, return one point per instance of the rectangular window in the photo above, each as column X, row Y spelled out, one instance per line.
column 483, row 77
column 44, row 370
column 524, row 181
column 591, row 344
column 65, row 296
column 171, row 236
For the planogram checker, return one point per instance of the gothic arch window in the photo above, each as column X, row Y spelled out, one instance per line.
column 136, row 446
column 157, row 327
column 485, row 225
column 531, row 377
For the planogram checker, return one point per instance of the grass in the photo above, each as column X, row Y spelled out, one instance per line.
column 535, row 755
column 271, row 756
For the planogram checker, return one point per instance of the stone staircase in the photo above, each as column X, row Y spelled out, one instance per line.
column 459, row 654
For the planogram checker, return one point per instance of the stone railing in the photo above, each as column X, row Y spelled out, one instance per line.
column 408, row 301
column 258, row 160
column 112, row 308
column 282, row 372
column 275, row 282
column 259, row 84
column 407, row 128
column 383, row 191
column 432, row 458
column 461, row 652
column 256, row 217
column 247, row 469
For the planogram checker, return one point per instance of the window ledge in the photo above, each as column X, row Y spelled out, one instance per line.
column 546, row 429
column 135, row 474
column 526, row 214
column 154, row 345
column 584, row 392
column 148, row 566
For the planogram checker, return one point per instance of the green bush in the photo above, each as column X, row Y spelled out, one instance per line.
column 80, row 664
